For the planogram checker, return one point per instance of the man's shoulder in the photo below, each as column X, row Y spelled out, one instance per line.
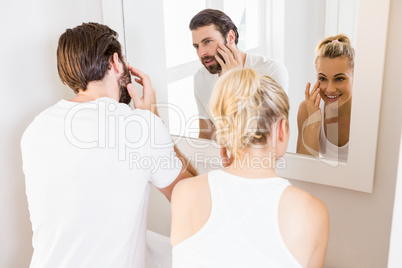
column 256, row 61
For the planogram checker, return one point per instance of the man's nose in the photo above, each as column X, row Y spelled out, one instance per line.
column 201, row 52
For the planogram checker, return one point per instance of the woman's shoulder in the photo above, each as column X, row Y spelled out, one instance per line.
column 304, row 225
column 191, row 205
column 189, row 190
column 300, row 201
column 193, row 183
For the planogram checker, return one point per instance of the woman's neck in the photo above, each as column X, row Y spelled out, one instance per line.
column 343, row 111
column 254, row 163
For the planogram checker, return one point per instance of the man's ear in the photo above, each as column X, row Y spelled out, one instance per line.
column 116, row 64
column 231, row 37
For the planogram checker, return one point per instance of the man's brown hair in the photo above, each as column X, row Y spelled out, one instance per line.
column 84, row 54
column 216, row 17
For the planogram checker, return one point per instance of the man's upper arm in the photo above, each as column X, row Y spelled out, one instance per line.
column 165, row 165
column 167, row 191
column 279, row 73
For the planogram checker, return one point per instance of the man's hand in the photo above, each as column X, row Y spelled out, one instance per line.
column 231, row 57
column 148, row 100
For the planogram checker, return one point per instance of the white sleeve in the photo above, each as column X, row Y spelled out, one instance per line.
column 201, row 110
column 164, row 166
column 280, row 75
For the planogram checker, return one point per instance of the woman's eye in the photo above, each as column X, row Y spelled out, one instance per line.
column 321, row 79
column 340, row 79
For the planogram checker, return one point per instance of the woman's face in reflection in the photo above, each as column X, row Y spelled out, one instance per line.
column 336, row 79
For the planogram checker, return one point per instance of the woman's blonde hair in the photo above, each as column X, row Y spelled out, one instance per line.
column 336, row 46
column 245, row 106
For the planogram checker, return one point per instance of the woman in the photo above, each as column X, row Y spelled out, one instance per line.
column 245, row 215
column 324, row 116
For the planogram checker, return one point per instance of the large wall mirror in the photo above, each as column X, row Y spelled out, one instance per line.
column 157, row 40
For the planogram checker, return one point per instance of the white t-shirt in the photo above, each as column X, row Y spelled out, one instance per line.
column 88, row 169
column 204, row 81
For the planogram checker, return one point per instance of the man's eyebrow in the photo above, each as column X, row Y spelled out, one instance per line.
column 205, row 39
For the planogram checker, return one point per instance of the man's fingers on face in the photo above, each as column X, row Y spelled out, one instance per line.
column 219, row 60
column 232, row 47
column 139, row 81
column 225, row 48
column 224, row 55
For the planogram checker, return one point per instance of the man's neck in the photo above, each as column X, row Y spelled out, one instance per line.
column 243, row 57
column 96, row 90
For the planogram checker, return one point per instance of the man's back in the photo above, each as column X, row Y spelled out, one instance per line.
column 87, row 182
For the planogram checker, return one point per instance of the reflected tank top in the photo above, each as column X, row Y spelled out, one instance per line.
column 327, row 149
column 242, row 229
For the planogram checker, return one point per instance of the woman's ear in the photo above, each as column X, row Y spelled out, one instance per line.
column 282, row 130
column 231, row 37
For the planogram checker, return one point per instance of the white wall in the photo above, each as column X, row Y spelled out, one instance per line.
column 395, row 258
column 29, row 83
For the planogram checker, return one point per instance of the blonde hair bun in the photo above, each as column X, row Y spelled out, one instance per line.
column 244, row 106
column 336, row 46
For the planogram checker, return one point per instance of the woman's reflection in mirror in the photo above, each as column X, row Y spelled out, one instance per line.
column 324, row 116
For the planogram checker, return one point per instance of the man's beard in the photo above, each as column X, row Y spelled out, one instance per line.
column 124, row 80
column 216, row 67
column 213, row 68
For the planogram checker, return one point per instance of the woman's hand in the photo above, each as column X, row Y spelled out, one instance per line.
column 313, row 99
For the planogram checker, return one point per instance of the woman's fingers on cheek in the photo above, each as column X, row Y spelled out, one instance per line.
column 318, row 98
column 307, row 91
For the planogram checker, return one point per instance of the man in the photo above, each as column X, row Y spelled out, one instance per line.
column 89, row 161
column 215, row 38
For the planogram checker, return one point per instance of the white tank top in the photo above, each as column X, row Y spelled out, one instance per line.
column 242, row 229
column 327, row 149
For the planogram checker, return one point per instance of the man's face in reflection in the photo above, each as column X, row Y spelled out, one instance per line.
column 206, row 40
column 124, row 80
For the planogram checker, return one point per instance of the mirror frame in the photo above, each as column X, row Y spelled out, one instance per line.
column 355, row 174
column 358, row 172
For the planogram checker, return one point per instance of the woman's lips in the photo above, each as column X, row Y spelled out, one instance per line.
column 332, row 98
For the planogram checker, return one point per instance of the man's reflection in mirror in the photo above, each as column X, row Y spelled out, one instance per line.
column 215, row 39
column 324, row 116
